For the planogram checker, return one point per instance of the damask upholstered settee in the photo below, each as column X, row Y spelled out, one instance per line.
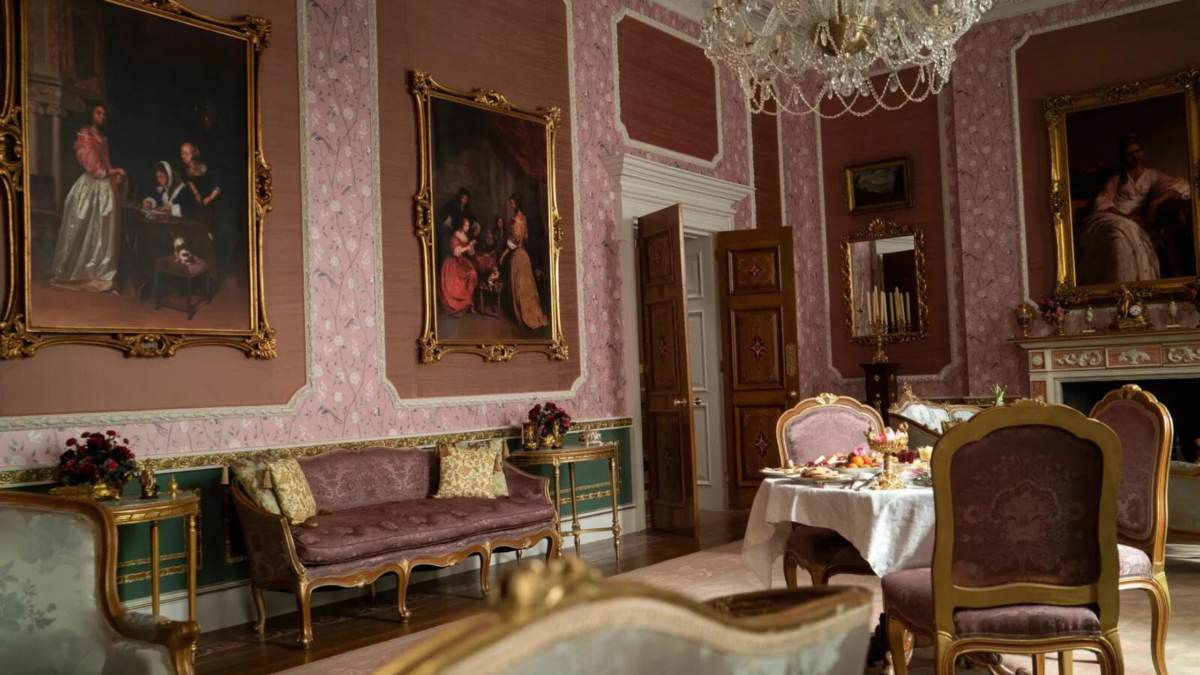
column 376, row 515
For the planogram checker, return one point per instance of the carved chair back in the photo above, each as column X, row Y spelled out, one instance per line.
column 824, row 425
column 1146, row 431
column 58, row 590
column 1025, row 497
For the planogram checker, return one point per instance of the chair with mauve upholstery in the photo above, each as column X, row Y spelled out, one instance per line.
column 1146, row 432
column 822, row 426
column 1025, row 551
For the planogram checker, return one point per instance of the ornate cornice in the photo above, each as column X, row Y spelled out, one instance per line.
column 44, row 474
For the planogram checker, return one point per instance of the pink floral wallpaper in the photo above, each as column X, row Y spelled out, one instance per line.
column 346, row 400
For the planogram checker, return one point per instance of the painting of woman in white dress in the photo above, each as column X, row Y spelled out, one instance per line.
column 89, row 239
column 1117, row 238
column 117, row 178
column 1131, row 208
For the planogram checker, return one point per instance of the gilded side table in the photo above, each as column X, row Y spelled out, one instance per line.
column 184, row 505
column 571, row 456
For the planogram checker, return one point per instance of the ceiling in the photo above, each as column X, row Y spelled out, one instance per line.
column 1001, row 9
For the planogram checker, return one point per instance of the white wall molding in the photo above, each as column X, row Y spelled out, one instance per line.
column 710, row 163
column 708, row 203
column 578, row 352
column 640, row 187
column 688, row 9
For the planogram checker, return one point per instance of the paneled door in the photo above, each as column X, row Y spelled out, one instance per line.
column 667, row 427
column 704, row 342
column 760, row 363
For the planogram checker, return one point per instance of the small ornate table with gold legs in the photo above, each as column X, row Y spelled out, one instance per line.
column 571, row 456
column 184, row 505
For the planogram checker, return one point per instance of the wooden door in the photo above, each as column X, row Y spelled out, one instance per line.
column 760, row 364
column 667, row 431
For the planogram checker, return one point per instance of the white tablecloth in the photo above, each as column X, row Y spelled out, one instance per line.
column 892, row 529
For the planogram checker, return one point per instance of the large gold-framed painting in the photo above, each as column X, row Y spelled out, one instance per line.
column 133, row 180
column 488, row 222
column 1123, row 176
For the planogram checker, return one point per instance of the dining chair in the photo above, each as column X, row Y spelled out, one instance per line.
column 1146, row 431
column 822, row 426
column 58, row 597
column 1025, row 546
column 562, row 618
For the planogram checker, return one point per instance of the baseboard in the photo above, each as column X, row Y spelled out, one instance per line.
column 231, row 604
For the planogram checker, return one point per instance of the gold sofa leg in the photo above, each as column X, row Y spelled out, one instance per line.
column 304, row 603
column 485, row 568
column 552, row 549
column 261, row 625
column 519, row 554
column 897, row 645
column 402, row 593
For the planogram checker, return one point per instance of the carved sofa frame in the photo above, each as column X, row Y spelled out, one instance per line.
column 275, row 563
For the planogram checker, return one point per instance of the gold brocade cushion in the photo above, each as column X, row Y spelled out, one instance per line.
column 467, row 474
column 250, row 473
column 494, row 447
column 292, row 491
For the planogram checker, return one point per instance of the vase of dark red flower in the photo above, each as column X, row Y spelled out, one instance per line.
column 1054, row 312
column 552, row 423
column 94, row 466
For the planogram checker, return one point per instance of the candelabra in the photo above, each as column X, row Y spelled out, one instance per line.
column 889, row 478
column 879, row 329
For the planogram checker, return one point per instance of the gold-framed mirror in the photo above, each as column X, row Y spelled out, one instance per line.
column 883, row 277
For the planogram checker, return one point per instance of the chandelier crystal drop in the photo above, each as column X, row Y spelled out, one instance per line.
column 833, row 57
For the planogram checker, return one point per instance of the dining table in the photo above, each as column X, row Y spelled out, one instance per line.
column 893, row 530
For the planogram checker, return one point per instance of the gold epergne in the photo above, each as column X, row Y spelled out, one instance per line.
column 889, row 479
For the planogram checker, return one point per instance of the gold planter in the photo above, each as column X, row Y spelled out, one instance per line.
column 97, row 492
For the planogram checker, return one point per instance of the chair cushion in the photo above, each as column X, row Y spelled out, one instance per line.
column 824, row 547
column 1135, row 563
column 909, row 595
column 291, row 490
column 380, row 528
column 347, row 479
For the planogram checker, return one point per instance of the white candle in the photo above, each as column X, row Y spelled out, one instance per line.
column 907, row 311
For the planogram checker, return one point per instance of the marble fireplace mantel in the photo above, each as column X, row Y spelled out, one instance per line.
column 1108, row 356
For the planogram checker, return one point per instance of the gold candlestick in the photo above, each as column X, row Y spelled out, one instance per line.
column 879, row 329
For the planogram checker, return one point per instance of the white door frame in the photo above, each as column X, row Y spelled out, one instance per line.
column 642, row 186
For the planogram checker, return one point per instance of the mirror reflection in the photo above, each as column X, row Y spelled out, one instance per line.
column 884, row 278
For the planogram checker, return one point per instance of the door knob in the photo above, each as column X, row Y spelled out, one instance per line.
column 680, row 402
column 792, row 394
column 696, row 401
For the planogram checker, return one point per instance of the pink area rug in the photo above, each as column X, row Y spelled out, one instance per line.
column 720, row 571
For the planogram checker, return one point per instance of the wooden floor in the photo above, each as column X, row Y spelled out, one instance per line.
column 353, row 624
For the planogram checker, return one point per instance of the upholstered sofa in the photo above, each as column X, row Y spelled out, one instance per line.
column 377, row 516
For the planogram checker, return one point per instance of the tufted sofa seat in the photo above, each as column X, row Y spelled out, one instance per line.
column 369, row 530
column 377, row 516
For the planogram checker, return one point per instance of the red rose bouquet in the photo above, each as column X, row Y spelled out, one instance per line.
column 95, row 458
column 547, row 417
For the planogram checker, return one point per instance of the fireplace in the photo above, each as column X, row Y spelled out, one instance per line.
column 1179, row 395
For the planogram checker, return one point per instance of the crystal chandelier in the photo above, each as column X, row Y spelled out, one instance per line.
column 833, row 57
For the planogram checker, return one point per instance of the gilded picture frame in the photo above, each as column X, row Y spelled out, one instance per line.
column 1079, row 279
column 21, row 333
column 884, row 229
column 444, row 331
column 895, row 192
